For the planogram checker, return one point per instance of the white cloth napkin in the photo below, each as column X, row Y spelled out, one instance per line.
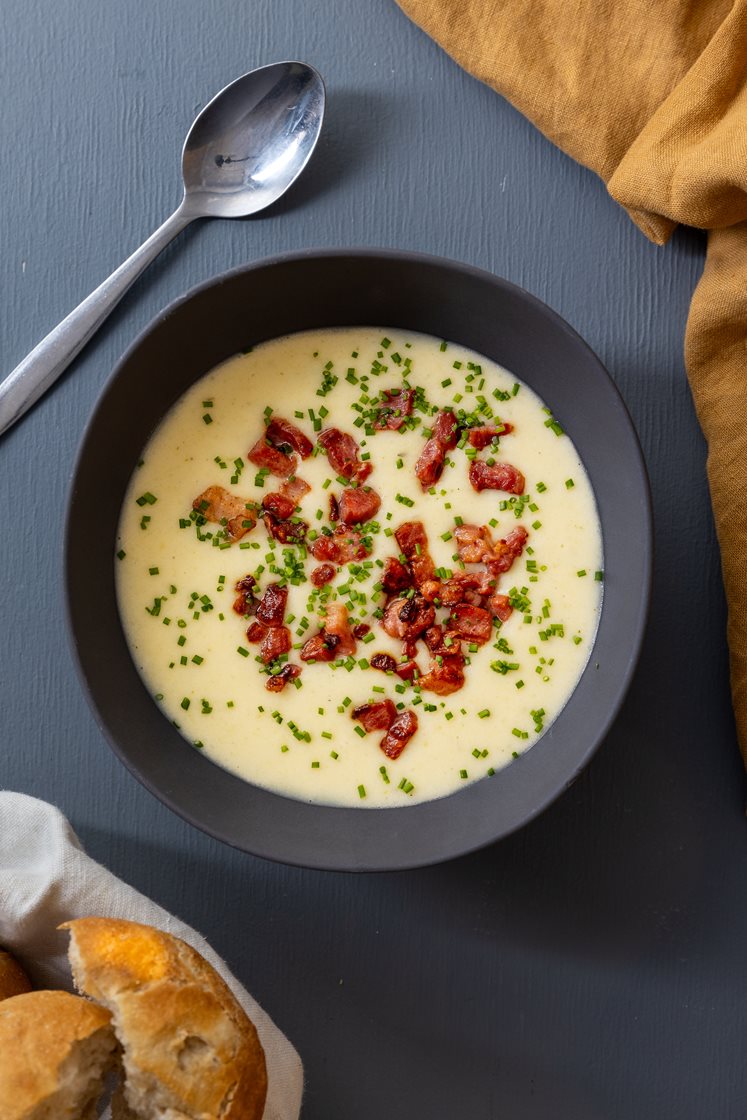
column 46, row 878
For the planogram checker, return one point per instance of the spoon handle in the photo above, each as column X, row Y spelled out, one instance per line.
column 51, row 357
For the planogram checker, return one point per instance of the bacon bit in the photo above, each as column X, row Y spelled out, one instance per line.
column 361, row 630
column 500, row 606
column 399, row 734
column 275, row 643
column 436, row 641
column 272, row 460
column 395, row 576
column 245, row 602
column 396, row 405
column 337, row 625
column 357, row 505
column 256, row 632
column 278, row 681
column 334, row 509
column 474, row 624
column 272, row 605
column 507, row 550
column 408, row 618
column 433, row 456
column 445, row 429
column 413, row 541
column 469, row 587
column 282, row 433
column 340, row 547
column 431, row 590
column 287, row 532
column 481, row 437
column 500, row 477
column 430, row 463
column 474, row 543
column 320, row 647
column 325, row 573
column 295, row 488
column 407, row 670
column 376, row 717
column 444, row 676
column 343, row 454
column 279, row 505
column 216, row 504
column 383, row 661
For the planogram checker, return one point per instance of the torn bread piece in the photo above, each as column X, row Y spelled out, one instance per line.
column 190, row 1052
column 13, row 980
column 55, row 1051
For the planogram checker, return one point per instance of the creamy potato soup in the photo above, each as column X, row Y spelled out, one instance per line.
column 360, row 567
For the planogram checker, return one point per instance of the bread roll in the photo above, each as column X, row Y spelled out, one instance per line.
column 188, row 1046
column 13, row 980
column 55, row 1050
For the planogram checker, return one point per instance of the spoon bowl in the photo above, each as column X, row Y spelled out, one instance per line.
column 241, row 154
column 252, row 140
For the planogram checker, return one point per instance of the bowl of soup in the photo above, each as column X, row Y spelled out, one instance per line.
column 370, row 538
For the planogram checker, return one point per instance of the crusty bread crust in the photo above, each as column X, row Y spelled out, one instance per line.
column 188, row 1044
column 47, row 1041
column 13, row 980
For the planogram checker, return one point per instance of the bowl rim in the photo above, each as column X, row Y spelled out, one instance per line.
column 638, row 619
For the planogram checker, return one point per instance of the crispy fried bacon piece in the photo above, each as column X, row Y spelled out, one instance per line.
column 507, row 550
column 500, row 606
column 343, row 454
column 481, row 437
column 279, row 505
column 399, row 734
column 413, row 542
column 408, row 618
column 433, row 456
column 358, row 504
column 286, row 531
column 320, row 647
column 445, row 675
column 276, row 641
column 385, row 663
column 336, row 639
column 442, row 643
column 324, row 573
column 337, row 624
column 278, row 681
column 474, row 624
column 271, row 460
column 396, row 406
column 245, row 602
column 295, row 488
column 235, row 514
column 502, row 476
column 273, row 640
column 282, row 433
column 375, row 717
column 395, row 576
column 271, row 608
column 340, row 547
column 474, row 543
column 334, row 509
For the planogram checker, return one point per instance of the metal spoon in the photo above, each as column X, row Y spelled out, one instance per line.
column 242, row 153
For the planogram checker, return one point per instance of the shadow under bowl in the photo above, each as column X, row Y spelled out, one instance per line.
column 337, row 289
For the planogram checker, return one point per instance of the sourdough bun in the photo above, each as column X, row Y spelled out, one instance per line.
column 188, row 1046
column 55, row 1050
column 13, row 980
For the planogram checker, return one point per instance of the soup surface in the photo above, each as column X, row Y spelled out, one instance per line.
column 360, row 567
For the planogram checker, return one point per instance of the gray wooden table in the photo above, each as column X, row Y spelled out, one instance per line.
column 592, row 966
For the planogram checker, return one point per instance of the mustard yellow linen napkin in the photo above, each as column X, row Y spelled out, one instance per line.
column 653, row 97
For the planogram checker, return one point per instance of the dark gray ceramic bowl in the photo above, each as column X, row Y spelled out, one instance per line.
column 348, row 288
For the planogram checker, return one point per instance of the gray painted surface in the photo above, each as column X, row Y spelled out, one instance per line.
column 593, row 965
